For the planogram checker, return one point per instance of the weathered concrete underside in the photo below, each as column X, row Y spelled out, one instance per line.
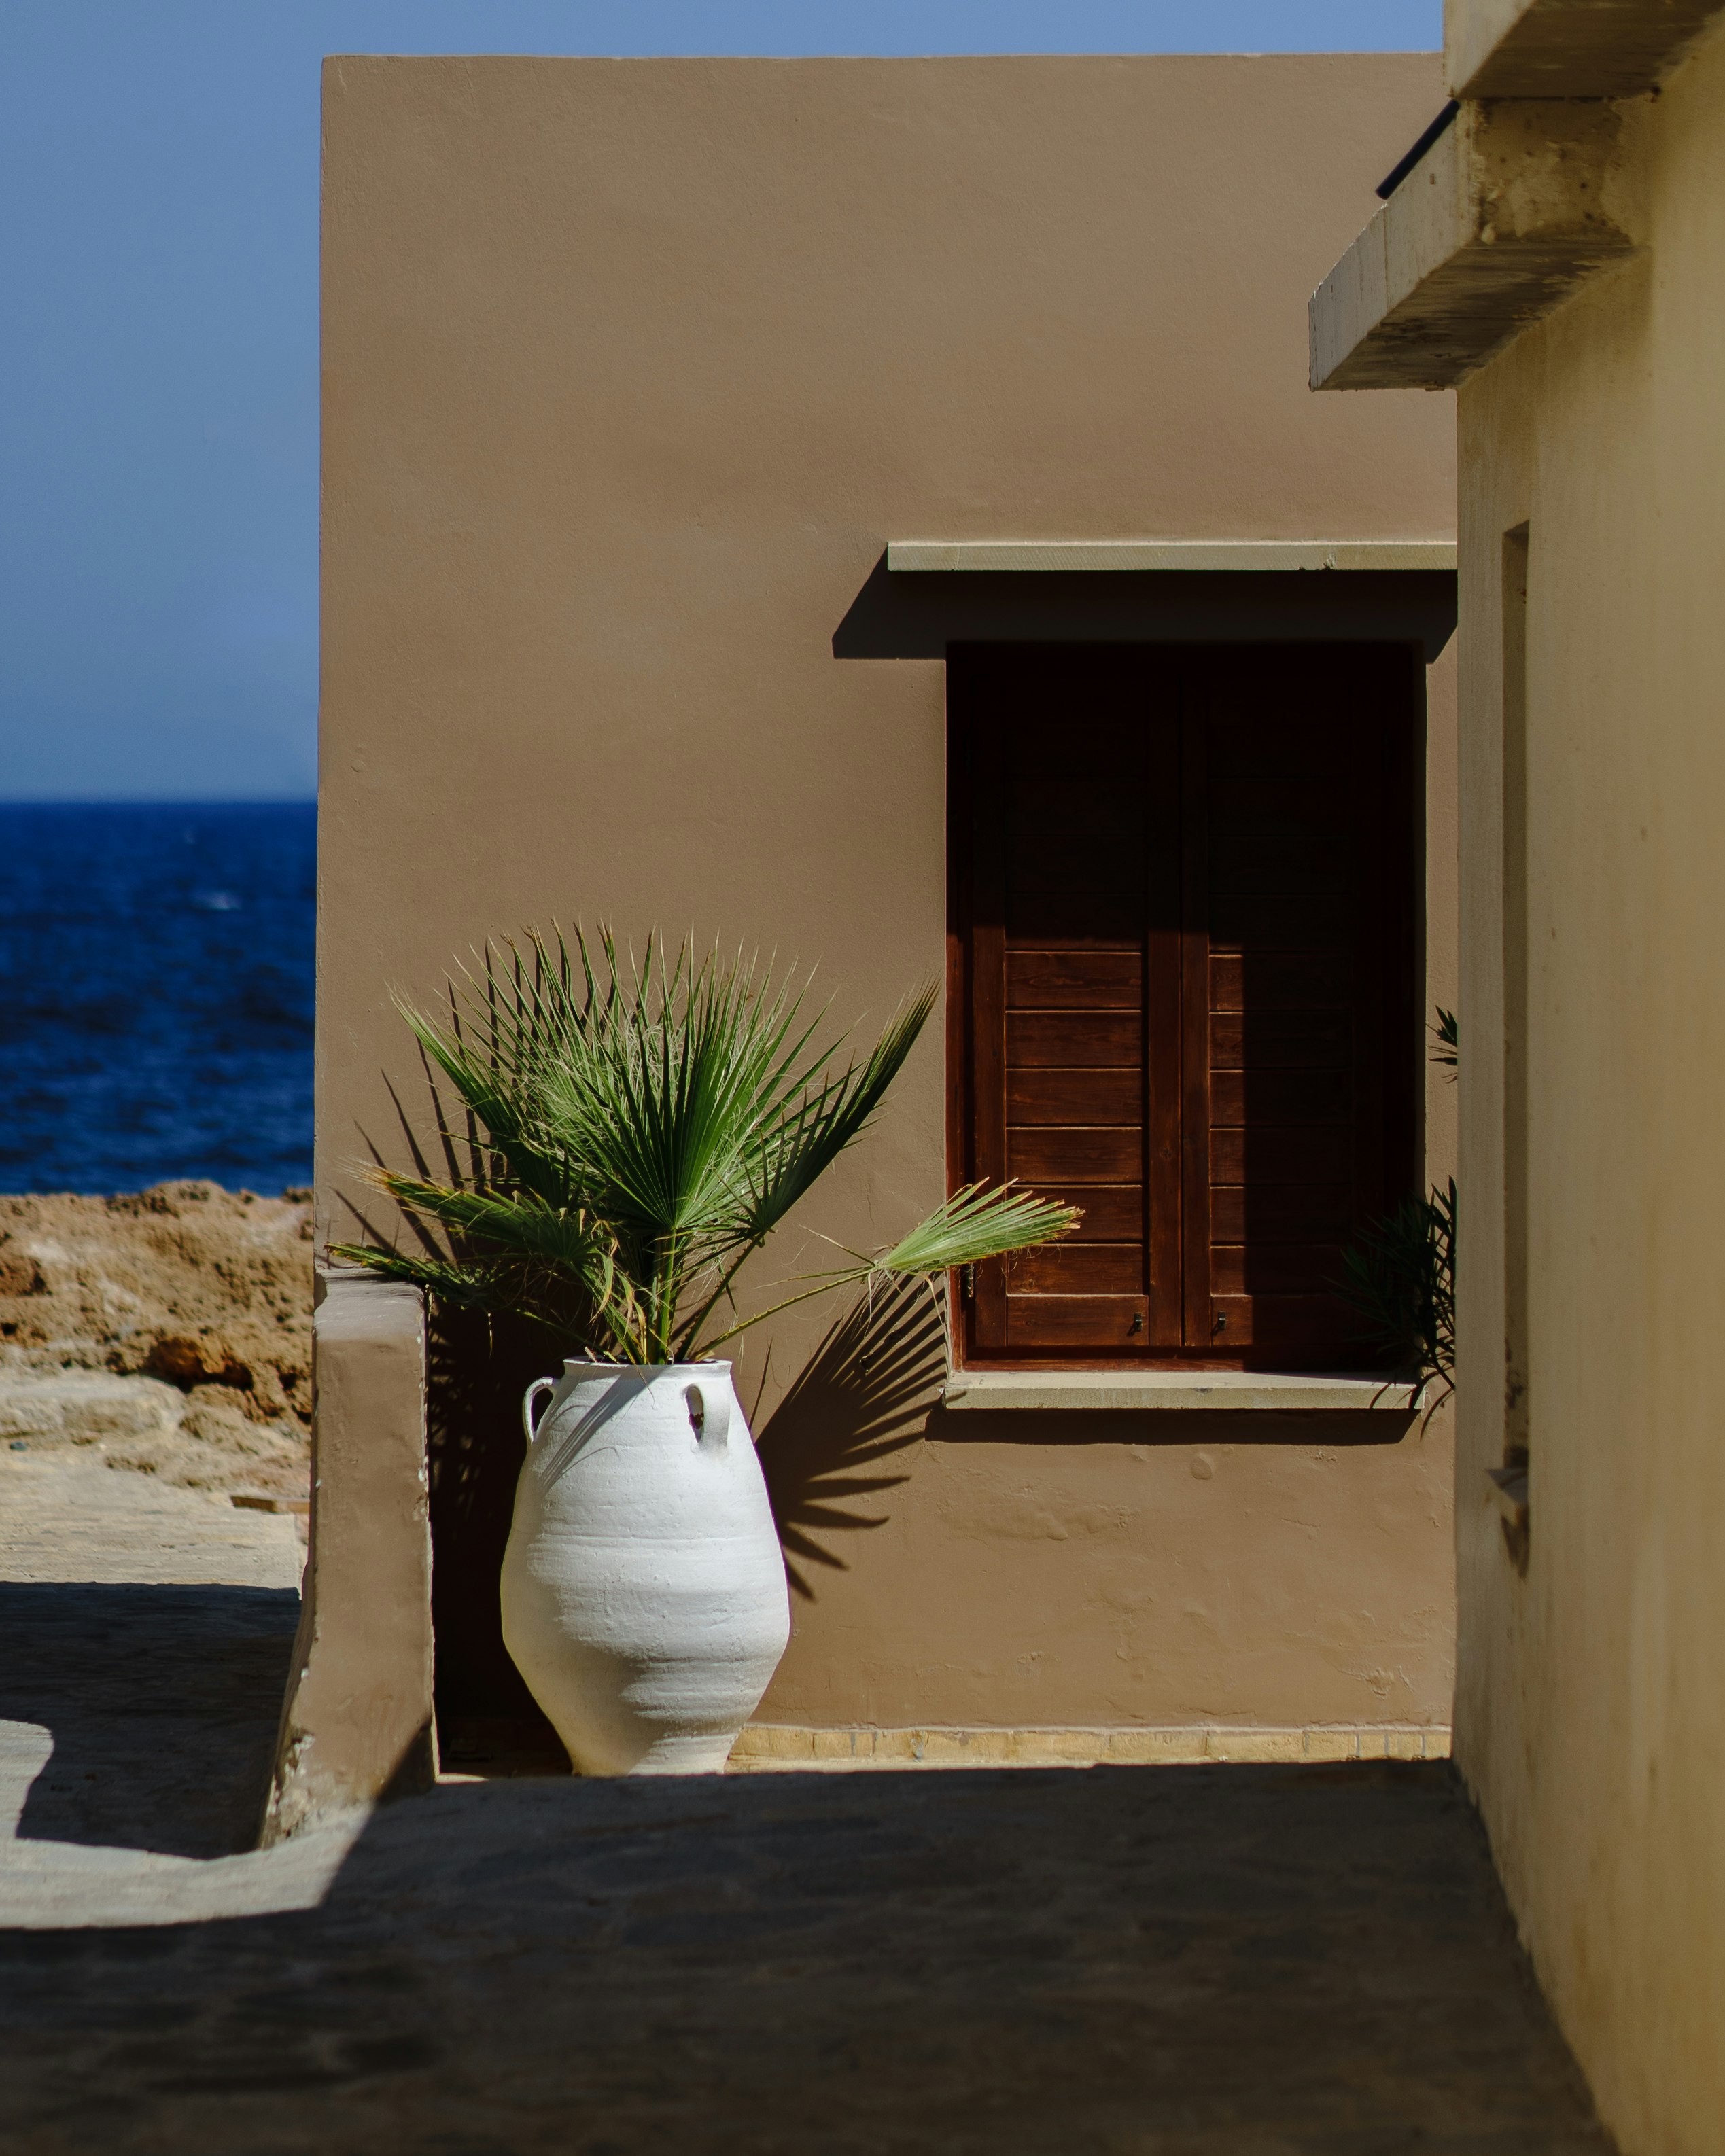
column 1567, row 47
column 1181, row 1959
column 1500, row 222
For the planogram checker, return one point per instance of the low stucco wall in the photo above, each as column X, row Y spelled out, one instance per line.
column 356, row 1722
column 1084, row 1574
column 632, row 369
column 1589, row 1718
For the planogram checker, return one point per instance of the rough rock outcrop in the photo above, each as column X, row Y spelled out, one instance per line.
column 171, row 1328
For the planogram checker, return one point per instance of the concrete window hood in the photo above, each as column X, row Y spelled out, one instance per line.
column 1164, row 1389
column 1058, row 555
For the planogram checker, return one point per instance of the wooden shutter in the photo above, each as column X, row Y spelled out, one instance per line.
column 1182, row 986
column 1300, row 1026
column 1069, row 767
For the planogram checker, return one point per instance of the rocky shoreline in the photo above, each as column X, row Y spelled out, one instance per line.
column 168, row 1331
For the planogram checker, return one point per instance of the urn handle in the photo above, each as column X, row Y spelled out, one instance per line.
column 710, row 1420
column 539, row 1385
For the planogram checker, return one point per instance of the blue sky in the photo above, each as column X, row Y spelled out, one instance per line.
column 158, row 378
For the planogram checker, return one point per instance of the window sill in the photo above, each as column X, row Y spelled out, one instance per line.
column 1164, row 1389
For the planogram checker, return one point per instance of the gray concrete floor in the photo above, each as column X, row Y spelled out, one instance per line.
column 1164, row 1961
column 66, row 1516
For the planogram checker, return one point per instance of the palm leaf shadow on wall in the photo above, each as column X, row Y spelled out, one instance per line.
column 861, row 1399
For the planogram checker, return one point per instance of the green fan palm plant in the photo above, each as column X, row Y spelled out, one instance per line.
column 1399, row 1276
column 636, row 1134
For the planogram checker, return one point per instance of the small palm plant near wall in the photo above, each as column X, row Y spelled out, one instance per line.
column 635, row 1137
column 1400, row 1276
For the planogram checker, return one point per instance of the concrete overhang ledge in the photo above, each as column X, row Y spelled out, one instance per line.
column 1246, row 1390
column 1567, row 47
column 1506, row 216
column 1044, row 555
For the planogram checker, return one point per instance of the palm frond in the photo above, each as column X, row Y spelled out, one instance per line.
column 524, row 1227
column 800, row 1144
column 486, row 1092
column 976, row 1223
column 1399, row 1278
column 468, row 1287
column 634, row 1131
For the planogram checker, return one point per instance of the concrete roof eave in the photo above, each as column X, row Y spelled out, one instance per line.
column 1567, row 47
column 1500, row 222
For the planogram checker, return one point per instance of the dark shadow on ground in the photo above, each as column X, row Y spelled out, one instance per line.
column 162, row 1703
column 862, row 1397
column 1200, row 1961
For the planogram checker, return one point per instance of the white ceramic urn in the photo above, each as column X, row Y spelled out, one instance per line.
column 644, row 1594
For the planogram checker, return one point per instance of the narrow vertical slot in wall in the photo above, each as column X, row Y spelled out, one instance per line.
column 1516, row 1373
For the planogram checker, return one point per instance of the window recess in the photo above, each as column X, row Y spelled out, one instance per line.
column 1185, row 988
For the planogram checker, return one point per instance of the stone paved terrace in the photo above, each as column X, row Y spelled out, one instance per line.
column 1172, row 1961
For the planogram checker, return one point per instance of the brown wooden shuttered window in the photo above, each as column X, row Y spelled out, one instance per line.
column 1185, row 987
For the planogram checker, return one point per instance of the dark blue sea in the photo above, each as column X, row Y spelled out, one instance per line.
column 156, row 995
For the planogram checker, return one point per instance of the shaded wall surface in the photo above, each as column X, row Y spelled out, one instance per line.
column 632, row 369
column 1590, row 1719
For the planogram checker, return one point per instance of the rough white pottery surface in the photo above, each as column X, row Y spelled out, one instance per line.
column 643, row 1591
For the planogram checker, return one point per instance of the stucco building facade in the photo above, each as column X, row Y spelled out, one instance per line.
column 699, row 436
column 1559, row 254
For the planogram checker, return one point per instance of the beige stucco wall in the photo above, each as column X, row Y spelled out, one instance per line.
column 1590, row 1714
column 632, row 369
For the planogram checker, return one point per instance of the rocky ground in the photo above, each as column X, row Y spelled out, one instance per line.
column 168, row 1331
